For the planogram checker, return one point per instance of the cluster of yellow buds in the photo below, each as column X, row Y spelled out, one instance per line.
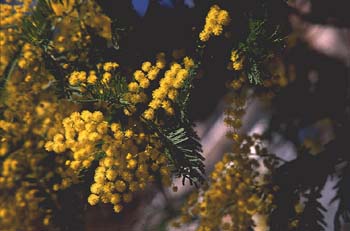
column 93, row 17
column 7, row 39
column 7, row 127
column 77, row 77
column 173, row 80
column 121, row 173
column 8, row 173
column 25, row 199
column 214, row 23
column 142, row 81
column 124, row 168
column 11, row 12
column 108, row 68
column 9, row 42
column 82, row 79
column 231, row 201
column 29, row 56
column 82, row 131
column 73, row 39
column 4, row 147
column 237, row 61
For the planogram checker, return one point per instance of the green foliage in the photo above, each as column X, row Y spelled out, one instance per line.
column 183, row 98
column 112, row 95
column 37, row 28
column 183, row 149
column 9, row 69
column 258, row 47
column 182, row 145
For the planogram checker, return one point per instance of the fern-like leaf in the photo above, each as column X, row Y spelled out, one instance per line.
column 343, row 195
column 183, row 149
column 36, row 26
column 312, row 218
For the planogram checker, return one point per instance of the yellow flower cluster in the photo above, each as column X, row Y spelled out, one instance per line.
column 125, row 167
column 214, row 23
column 100, row 22
column 77, row 77
column 44, row 123
column 231, row 200
column 142, row 81
column 9, row 168
column 29, row 58
column 82, row 132
column 24, row 199
column 93, row 16
column 237, row 61
column 71, row 19
column 169, row 85
column 4, row 147
column 30, row 114
column 11, row 14
column 82, row 79
column 121, row 173
column 8, row 38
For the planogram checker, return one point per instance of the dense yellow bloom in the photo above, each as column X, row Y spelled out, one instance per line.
column 142, row 80
column 106, row 78
column 166, row 93
column 93, row 199
column 188, row 62
column 125, row 167
column 30, row 113
column 144, row 83
column 237, row 61
column 81, row 133
column 214, row 22
column 149, row 114
column 146, row 66
column 133, row 86
column 81, row 78
column 92, row 79
column 153, row 72
column 238, row 66
column 77, row 77
column 34, row 125
column 109, row 66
